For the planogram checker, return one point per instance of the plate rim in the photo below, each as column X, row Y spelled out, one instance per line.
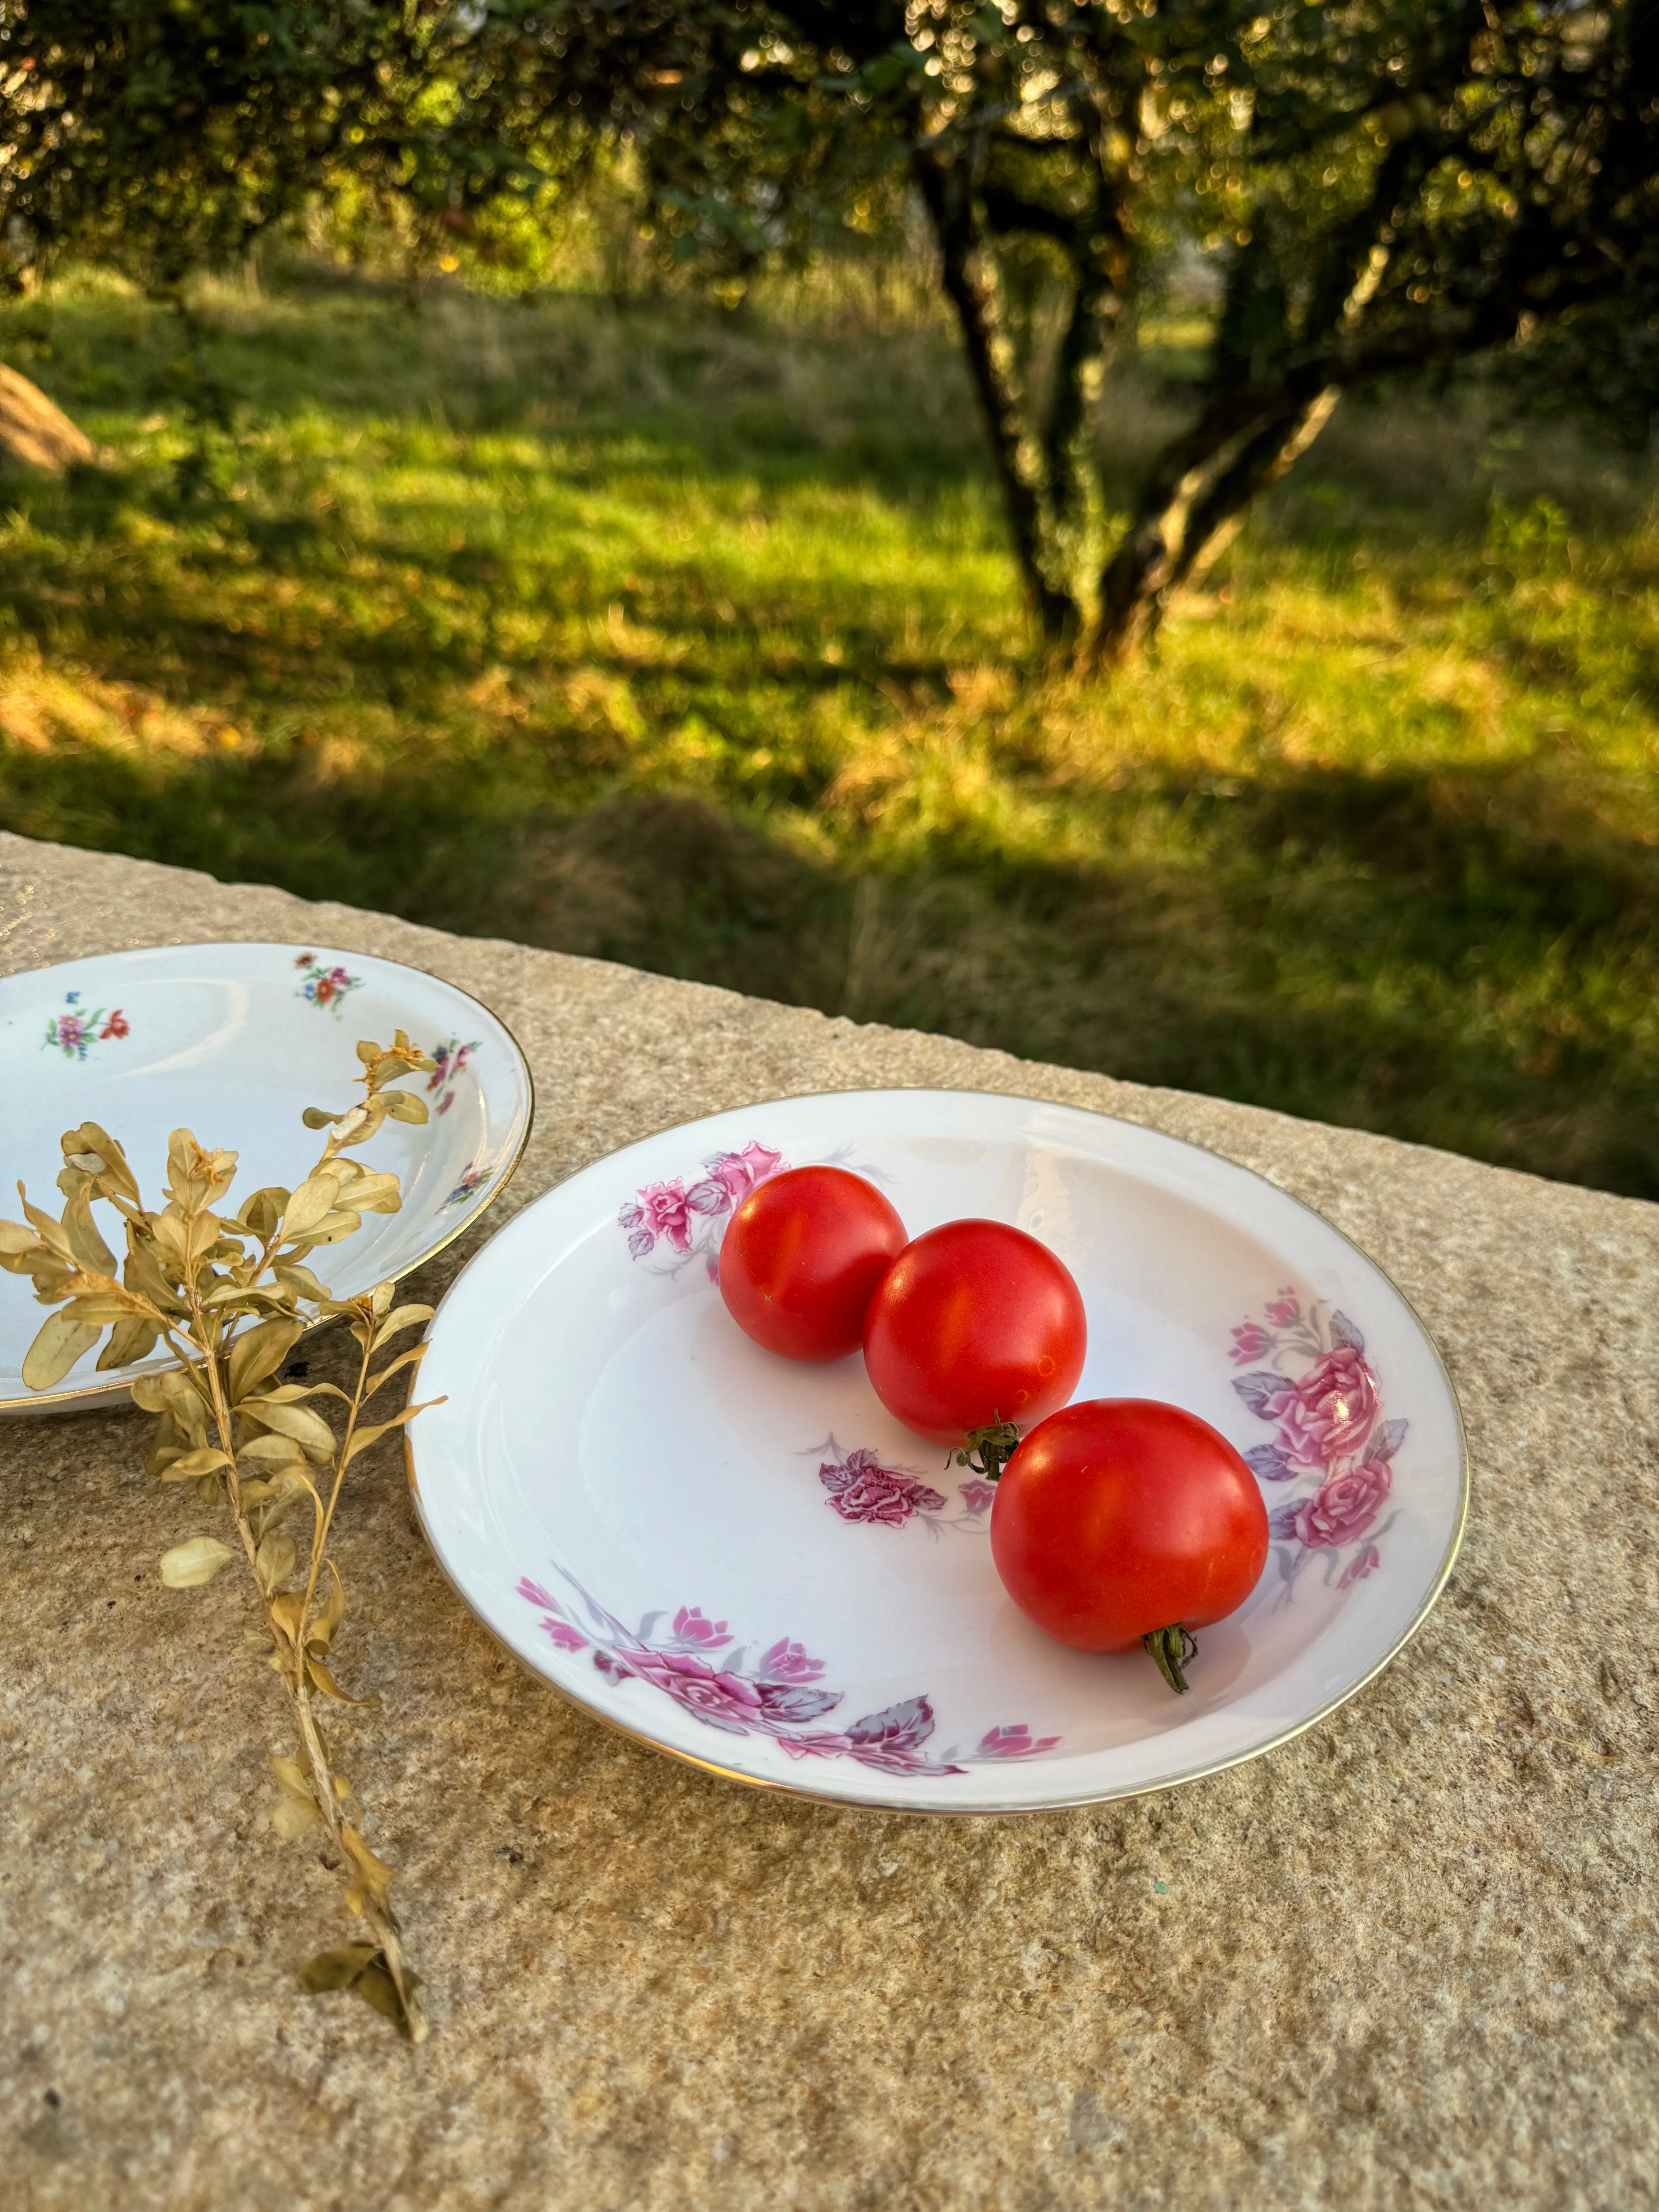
column 109, row 1394
column 904, row 1808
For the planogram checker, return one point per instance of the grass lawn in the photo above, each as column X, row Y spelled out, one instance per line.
column 637, row 632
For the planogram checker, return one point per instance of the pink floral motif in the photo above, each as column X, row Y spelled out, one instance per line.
column 1329, row 1414
column 1015, row 1742
column 862, row 1490
column 1321, row 1394
column 449, row 1063
column 1343, row 1507
column 1363, row 1563
column 776, row 1696
column 689, row 1219
column 664, row 1210
column 685, row 1216
column 75, row 1031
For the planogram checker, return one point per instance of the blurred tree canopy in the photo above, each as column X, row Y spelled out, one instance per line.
column 1386, row 185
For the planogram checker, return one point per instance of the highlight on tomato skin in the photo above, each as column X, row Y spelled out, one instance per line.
column 1126, row 1521
column 976, row 1322
column 801, row 1259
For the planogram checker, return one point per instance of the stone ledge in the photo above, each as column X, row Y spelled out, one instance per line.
column 1406, row 1959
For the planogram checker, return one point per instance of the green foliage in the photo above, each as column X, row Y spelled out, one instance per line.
column 159, row 136
column 692, row 642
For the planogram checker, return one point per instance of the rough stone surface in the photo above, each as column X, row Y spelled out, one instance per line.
column 1406, row 1960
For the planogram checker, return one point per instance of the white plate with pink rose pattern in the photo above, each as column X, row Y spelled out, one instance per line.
column 234, row 1041
column 746, row 1561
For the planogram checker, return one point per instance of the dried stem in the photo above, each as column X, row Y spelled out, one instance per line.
column 229, row 1315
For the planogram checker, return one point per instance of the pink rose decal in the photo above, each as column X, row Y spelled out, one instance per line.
column 977, row 1496
column 861, row 1489
column 725, row 1701
column 689, row 1216
column 776, row 1696
column 1343, row 1508
column 663, row 1206
column 1328, row 1425
column 1329, row 1413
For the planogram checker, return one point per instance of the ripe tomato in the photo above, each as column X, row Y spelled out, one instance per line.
column 1122, row 1520
column 975, row 1323
column 802, row 1257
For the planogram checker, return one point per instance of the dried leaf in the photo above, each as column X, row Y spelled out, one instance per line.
column 291, row 1778
column 323, row 1681
column 196, row 1463
column 88, row 1144
column 374, row 1876
column 84, row 1240
column 300, row 1280
column 338, row 1969
column 256, row 1353
column 308, row 1429
column 132, row 1339
column 404, row 1106
column 285, row 1613
column 372, row 1193
column 364, row 1437
column 311, row 1203
column 404, row 1317
column 334, row 1227
column 377, row 1381
column 321, row 1634
column 291, row 1819
column 188, row 1566
column 268, row 1451
column 55, row 1350
column 376, row 1987
column 273, row 1562
column 263, row 1211
column 16, row 1239
column 318, row 1117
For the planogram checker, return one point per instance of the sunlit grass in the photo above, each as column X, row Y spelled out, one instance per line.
column 642, row 632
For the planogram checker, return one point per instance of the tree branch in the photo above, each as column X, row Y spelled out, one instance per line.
column 969, row 277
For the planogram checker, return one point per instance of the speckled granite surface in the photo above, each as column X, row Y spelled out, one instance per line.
column 1406, row 1960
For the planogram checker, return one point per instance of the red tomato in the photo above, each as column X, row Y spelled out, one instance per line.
column 974, row 1322
column 802, row 1257
column 1122, row 1520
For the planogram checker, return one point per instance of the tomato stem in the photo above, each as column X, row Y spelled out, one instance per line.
column 1170, row 1649
column 989, row 1450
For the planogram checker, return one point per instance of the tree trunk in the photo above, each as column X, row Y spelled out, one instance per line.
column 37, row 432
column 971, row 283
column 1182, row 527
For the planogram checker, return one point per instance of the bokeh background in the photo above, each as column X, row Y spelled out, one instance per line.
column 535, row 574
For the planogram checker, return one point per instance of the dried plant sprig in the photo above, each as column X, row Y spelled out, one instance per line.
column 229, row 1296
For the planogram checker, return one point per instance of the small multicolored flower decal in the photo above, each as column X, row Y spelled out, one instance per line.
column 324, row 987
column 75, row 1031
column 473, row 1179
column 1321, row 1393
column 449, row 1063
column 776, row 1695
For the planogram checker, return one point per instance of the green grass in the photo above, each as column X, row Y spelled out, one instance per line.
column 642, row 632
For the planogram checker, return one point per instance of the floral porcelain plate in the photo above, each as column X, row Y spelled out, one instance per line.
column 234, row 1042
column 747, row 1562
